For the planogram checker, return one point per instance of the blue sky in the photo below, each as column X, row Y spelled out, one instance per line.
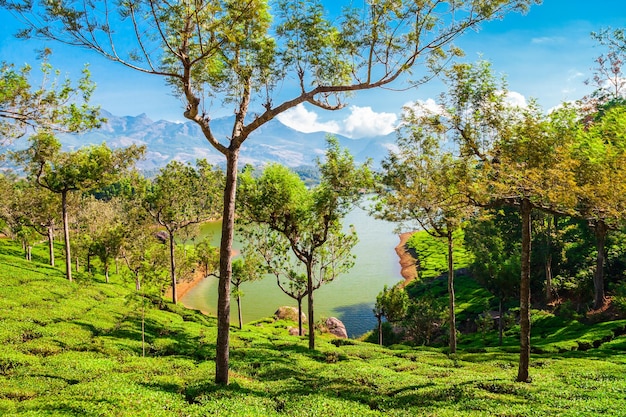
column 546, row 54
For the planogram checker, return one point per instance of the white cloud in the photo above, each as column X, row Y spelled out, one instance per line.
column 516, row 99
column 422, row 108
column 362, row 122
column 302, row 120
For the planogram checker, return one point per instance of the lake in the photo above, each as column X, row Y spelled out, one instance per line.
column 350, row 297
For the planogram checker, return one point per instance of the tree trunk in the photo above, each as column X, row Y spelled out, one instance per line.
column 106, row 272
column 379, row 318
column 452, row 317
column 29, row 252
column 601, row 231
column 239, row 311
column 173, row 267
column 51, row 243
column 549, row 263
column 66, row 237
column 309, row 274
column 524, row 358
column 226, row 245
column 500, row 324
column 300, row 333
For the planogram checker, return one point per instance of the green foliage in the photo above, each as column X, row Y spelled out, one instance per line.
column 296, row 232
column 430, row 254
column 75, row 349
column 392, row 303
column 57, row 104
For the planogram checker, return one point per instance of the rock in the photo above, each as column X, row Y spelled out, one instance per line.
column 288, row 313
column 336, row 327
column 162, row 236
column 293, row 331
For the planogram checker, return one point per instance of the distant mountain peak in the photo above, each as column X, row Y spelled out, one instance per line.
column 273, row 142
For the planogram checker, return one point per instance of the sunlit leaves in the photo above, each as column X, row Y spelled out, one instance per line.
column 57, row 104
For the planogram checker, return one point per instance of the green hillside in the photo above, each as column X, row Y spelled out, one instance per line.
column 76, row 349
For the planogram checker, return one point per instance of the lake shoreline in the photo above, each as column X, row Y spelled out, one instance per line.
column 183, row 287
column 407, row 260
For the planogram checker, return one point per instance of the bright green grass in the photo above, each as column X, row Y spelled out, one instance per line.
column 74, row 349
column 432, row 253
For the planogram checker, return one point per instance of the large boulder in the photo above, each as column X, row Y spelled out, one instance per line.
column 336, row 327
column 288, row 313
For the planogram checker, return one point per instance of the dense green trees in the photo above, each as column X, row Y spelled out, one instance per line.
column 66, row 172
column 241, row 53
column 423, row 187
column 508, row 156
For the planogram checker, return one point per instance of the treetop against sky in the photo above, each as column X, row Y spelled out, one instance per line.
column 546, row 54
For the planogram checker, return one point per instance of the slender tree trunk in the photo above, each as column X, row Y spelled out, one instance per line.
column 66, row 237
column 226, row 245
column 106, row 272
column 239, row 311
column 51, row 243
column 379, row 318
column 143, row 325
column 173, row 266
column 309, row 274
column 300, row 333
column 29, row 252
column 524, row 358
column 451, row 303
column 500, row 324
column 601, row 231
column 549, row 263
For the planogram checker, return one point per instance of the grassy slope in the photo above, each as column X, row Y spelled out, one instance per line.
column 75, row 349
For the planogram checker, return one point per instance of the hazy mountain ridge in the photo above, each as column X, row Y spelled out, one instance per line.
column 273, row 142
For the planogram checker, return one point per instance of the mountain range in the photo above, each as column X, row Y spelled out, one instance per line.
column 273, row 142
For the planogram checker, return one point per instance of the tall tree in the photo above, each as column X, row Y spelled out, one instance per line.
column 600, row 153
column 181, row 196
column 244, row 53
column 66, row 172
column 600, row 150
column 519, row 157
column 310, row 220
column 424, row 186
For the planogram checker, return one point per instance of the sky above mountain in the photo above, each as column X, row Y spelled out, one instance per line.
column 546, row 54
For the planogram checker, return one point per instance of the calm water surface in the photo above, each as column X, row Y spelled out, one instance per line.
column 350, row 297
